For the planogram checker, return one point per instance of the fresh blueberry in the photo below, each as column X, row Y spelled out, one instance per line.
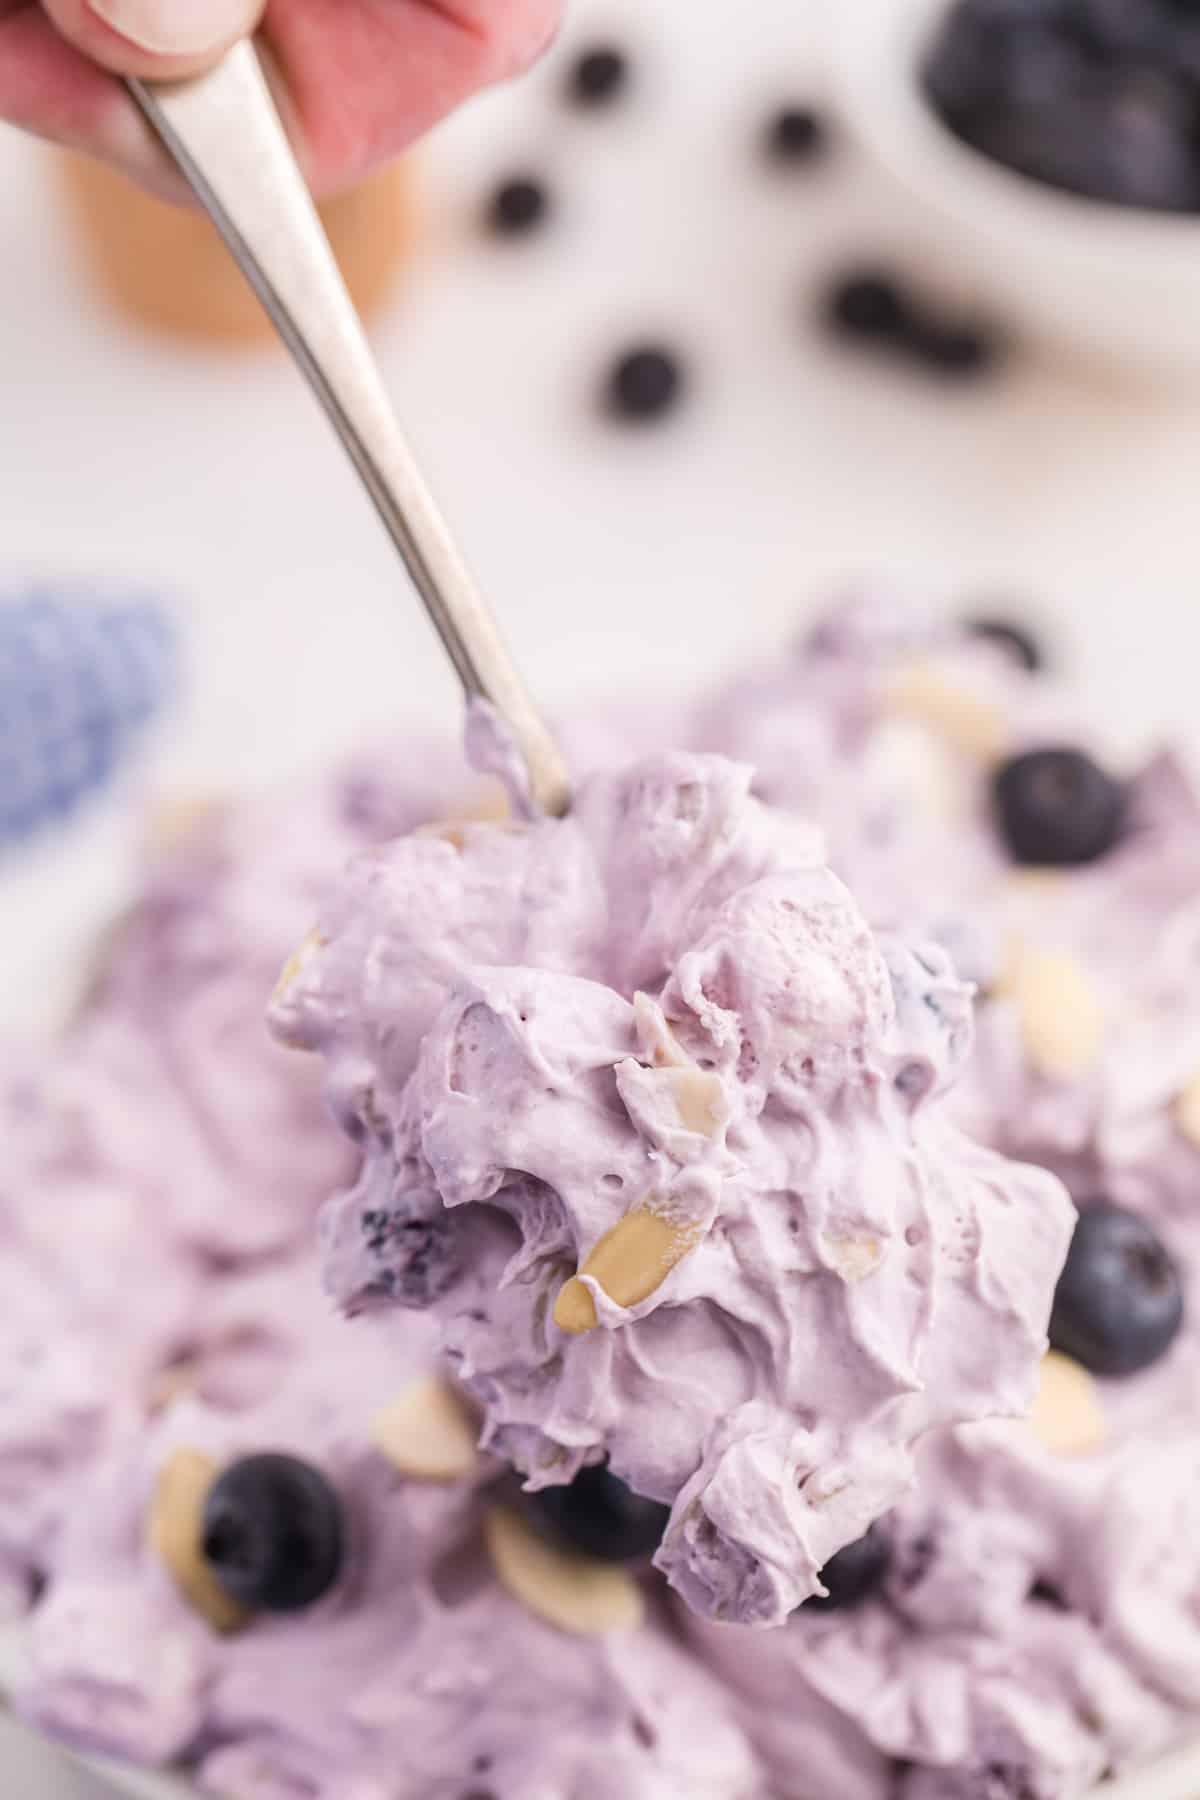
column 963, row 71
column 959, row 352
column 1067, row 145
column 868, row 303
column 644, row 383
column 854, row 1573
column 1047, row 1593
column 794, row 134
column 984, row 51
column 518, row 205
column 598, row 1514
column 1119, row 1300
column 1112, row 29
column 273, row 1533
column 598, row 76
column 1014, row 639
column 1056, row 807
column 1151, row 133
column 1097, row 97
column 1123, row 147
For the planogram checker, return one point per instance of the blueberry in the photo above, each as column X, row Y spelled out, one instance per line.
column 957, row 351
column 794, row 134
column 1116, row 32
column 518, row 205
column 964, row 71
column 598, row 76
column 1056, row 808
column 1097, row 97
column 644, row 383
column 1015, row 640
column 273, row 1533
column 854, row 1573
column 413, row 1259
column 1119, row 1300
column 868, row 303
column 598, row 1514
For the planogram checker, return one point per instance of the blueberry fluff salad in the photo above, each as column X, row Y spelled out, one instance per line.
column 726, row 1328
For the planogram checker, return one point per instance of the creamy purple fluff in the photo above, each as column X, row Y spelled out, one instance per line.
column 505, row 1019
column 901, row 790
column 178, row 1002
column 1040, row 1623
column 167, row 1143
column 1036, row 1629
column 77, row 1359
column 416, row 1678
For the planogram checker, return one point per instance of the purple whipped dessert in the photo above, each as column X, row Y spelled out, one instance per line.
column 657, row 1129
column 321, row 1597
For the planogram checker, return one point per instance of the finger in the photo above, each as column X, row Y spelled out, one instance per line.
column 363, row 78
column 357, row 80
column 163, row 38
column 49, row 87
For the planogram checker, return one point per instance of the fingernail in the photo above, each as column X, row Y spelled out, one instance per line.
column 177, row 27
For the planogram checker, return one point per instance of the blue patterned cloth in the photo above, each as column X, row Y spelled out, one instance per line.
column 79, row 674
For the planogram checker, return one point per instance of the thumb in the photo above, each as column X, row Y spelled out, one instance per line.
column 154, row 37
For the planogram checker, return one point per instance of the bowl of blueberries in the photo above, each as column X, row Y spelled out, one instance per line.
column 1056, row 146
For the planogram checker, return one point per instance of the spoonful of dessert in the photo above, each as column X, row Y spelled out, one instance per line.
column 652, row 1123
column 223, row 131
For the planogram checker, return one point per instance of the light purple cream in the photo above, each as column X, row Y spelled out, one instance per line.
column 659, row 1037
column 1036, row 1623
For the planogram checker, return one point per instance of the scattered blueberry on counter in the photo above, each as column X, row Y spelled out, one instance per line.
column 273, row 1533
column 598, row 1514
column 644, row 383
column 874, row 308
column 854, row 1573
column 598, row 76
column 519, row 205
column 958, row 351
column 1014, row 639
column 868, row 306
column 1100, row 98
column 1057, row 808
column 868, row 303
column 795, row 134
column 1119, row 1302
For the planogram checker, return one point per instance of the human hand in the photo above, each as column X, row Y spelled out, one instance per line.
column 356, row 80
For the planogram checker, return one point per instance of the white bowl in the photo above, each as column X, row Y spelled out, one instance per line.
column 1175, row 1777
column 1114, row 282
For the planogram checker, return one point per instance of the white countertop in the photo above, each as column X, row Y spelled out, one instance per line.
column 636, row 557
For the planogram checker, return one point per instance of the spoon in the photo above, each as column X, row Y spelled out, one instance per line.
column 223, row 131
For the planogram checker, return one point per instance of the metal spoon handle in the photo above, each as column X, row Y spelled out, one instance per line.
column 224, row 132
